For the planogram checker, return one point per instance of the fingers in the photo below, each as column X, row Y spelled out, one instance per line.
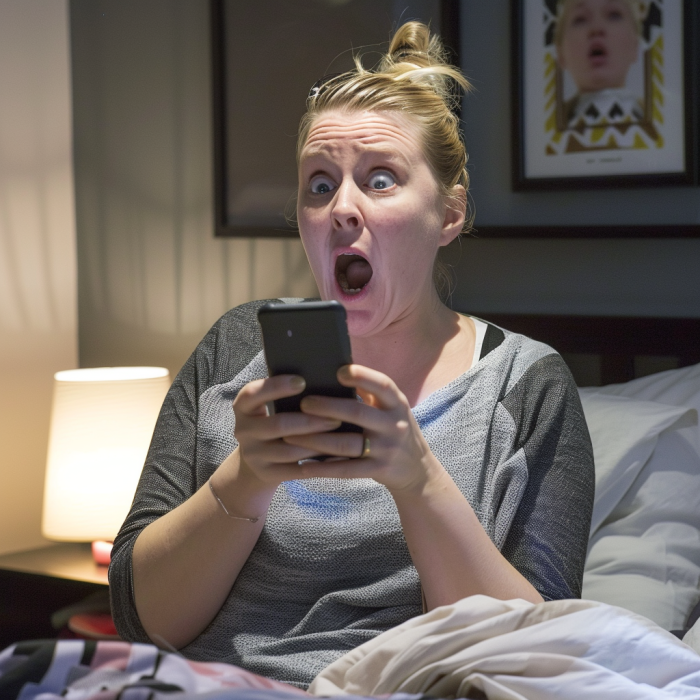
column 347, row 410
column 384, row 390
column 253, row 399
column 280, row 452
column 254, row 396
column 336, row 444
column 284, row 424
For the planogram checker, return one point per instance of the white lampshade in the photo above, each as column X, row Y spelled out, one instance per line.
column 102, row 421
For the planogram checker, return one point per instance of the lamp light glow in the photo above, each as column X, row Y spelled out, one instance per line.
column 102, row 421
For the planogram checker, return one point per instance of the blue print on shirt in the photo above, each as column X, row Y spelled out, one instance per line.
column 429, row 414
column 321, row 505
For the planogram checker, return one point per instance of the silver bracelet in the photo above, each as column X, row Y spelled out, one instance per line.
column 221, row 503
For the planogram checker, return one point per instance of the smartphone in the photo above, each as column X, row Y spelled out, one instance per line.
column 311, row 340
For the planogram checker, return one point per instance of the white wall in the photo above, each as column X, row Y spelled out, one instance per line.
column 152, row 277
column 38, row 306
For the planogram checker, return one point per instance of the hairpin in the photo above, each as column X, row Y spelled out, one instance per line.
column 319, row 84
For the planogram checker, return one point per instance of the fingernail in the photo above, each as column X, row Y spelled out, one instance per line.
column 298, row 382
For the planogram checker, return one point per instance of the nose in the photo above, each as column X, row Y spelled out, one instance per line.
column 346, row 213
column 597, row 25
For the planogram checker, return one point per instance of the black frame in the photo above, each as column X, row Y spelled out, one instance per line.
column 593, row 231
column 449, row 22
column 691, row 38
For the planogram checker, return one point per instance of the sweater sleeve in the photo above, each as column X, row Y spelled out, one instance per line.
column 167, row 480
column 548, row 538
column 169, row 475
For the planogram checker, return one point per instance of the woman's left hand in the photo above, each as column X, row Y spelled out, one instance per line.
column 399, row 456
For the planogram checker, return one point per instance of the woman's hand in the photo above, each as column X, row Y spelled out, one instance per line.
column 399, row 456
column 262, row 442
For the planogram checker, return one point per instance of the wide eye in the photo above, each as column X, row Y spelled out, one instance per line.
column 321, row 184
column 381, row 180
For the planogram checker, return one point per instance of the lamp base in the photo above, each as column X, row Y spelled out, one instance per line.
column 102, row 552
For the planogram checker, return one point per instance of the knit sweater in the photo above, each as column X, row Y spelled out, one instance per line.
column 331, row 568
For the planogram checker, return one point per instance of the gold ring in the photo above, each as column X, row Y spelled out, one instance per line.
column 365, row 449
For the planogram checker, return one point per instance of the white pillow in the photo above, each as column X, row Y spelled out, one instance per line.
column 624, row 434
column 692, row 638
column 675, row 387
column 645, row 556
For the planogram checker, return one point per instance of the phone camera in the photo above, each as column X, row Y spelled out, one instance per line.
column 289, row 333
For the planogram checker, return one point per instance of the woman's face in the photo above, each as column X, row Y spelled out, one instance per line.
column 599, row 43
column 371, row 216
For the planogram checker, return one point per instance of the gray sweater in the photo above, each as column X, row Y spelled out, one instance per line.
column 331, row 568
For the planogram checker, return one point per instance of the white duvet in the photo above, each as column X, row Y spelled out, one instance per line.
column 512, row 650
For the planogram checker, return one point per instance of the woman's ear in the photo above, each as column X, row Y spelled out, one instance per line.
column 455, row 214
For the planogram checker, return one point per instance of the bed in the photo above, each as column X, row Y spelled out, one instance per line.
column 640, row 388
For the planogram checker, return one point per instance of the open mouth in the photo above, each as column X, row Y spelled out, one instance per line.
column 597, row 51
column 352, row 272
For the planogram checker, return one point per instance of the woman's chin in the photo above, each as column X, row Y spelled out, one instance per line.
column 360, row 307
column 361, row 323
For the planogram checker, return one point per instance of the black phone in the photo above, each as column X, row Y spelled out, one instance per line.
column 309, row 339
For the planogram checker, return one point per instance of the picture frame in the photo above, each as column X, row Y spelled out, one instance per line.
column 610, row 110
column 265, row 58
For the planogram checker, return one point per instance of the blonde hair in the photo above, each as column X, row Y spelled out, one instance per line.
column 414, row 79
column 563, row 10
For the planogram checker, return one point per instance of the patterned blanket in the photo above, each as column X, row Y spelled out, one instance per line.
column 86, row 670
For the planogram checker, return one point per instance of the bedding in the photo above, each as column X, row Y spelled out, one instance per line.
column 644, row 550
column 646, row 556
column 675, row 387
column 624, row 433
column 478, row 648
column 482, row 647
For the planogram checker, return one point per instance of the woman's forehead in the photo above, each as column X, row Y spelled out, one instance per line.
column 339, row 128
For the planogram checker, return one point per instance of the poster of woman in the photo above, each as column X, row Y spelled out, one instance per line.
column 602, row 93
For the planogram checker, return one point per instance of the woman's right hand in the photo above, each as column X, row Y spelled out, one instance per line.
column 263, row 453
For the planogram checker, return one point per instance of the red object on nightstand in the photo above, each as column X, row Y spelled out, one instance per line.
column 102, row 552
column 93, row 626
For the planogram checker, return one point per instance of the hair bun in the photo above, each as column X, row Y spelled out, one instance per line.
column 413, row 43
column 418, row 55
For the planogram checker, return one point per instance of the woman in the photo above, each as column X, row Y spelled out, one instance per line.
column 476, row 470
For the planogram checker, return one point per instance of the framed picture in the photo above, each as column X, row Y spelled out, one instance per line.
column 266, row 55
column 605, row 93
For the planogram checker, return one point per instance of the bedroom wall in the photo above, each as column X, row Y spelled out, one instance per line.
column 151, row 276
column 651, row 277
column 38, row 301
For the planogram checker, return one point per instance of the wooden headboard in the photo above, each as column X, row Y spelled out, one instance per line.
column 609, row 349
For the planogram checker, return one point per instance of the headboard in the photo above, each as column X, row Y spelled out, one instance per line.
column 608, row 349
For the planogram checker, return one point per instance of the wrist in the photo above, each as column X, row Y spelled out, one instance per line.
column 240, row 489
column 432, row 479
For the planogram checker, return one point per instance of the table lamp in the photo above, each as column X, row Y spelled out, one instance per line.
column 102, row 421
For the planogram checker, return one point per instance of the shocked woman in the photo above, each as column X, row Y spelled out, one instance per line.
column 479, row 479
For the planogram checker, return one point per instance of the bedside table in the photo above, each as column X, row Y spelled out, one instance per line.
column 36, row 583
